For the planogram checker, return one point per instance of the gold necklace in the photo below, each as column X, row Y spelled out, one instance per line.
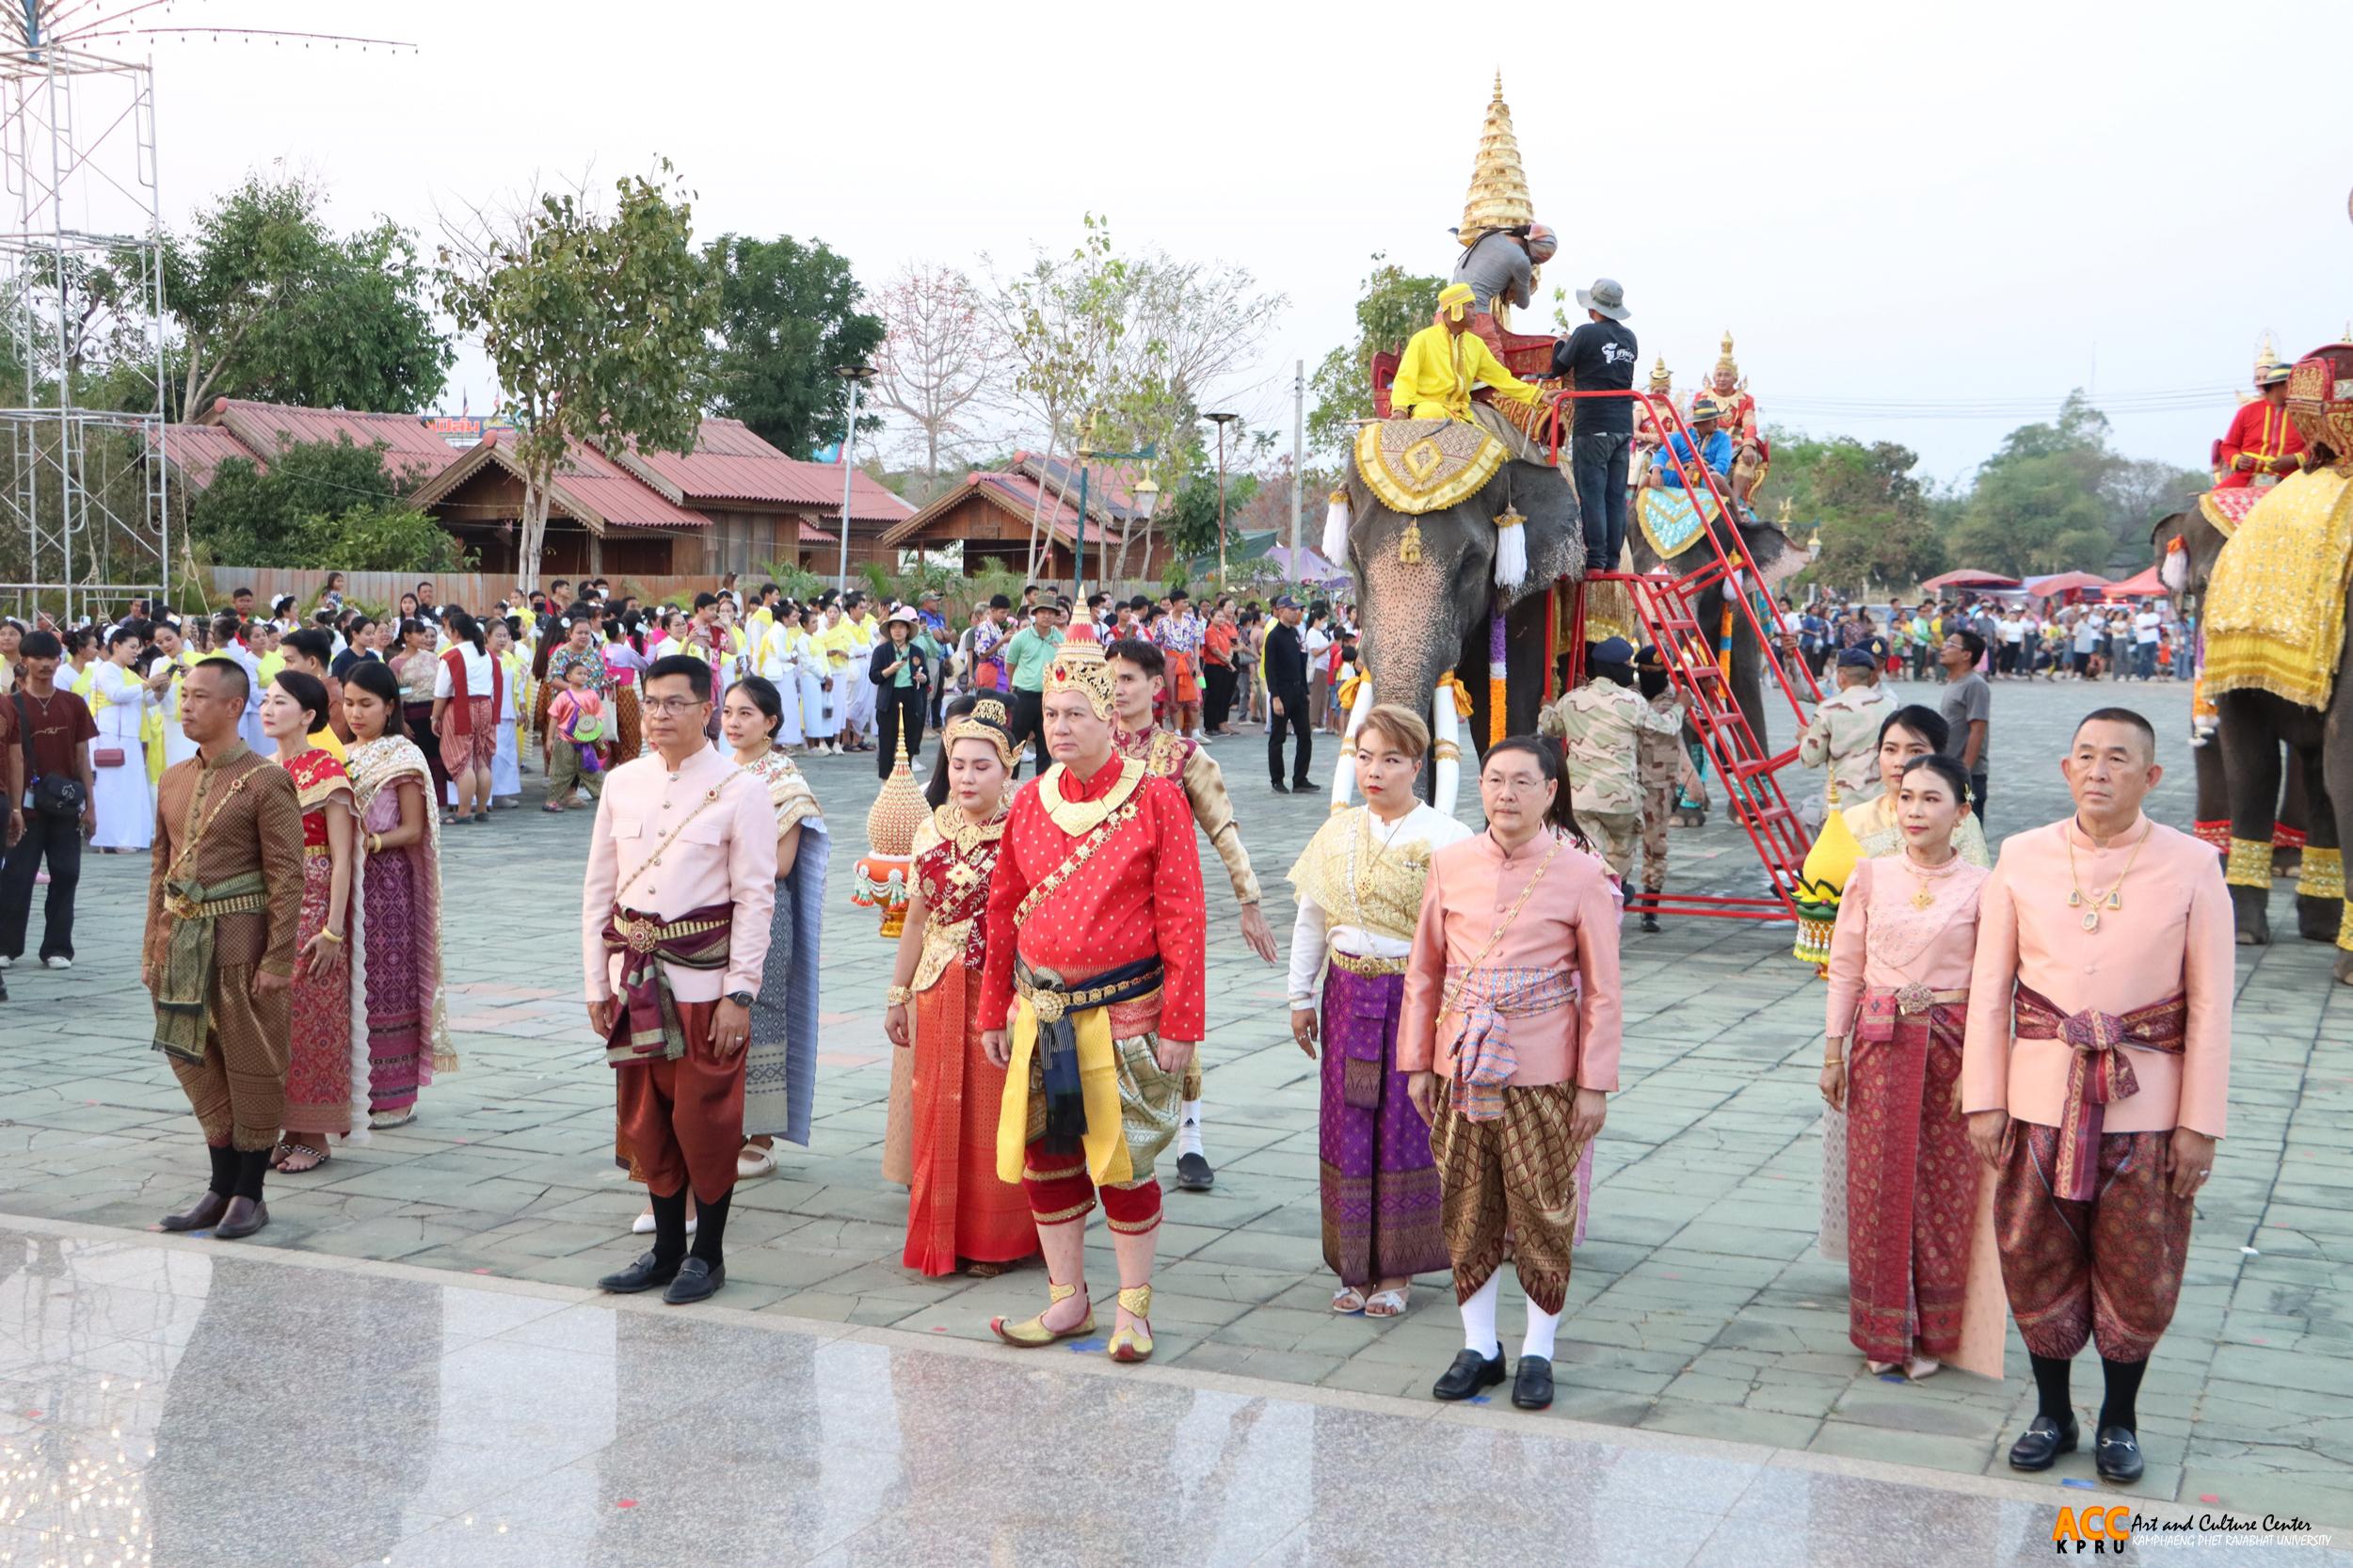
column 1921, row 897
column 2113, row 896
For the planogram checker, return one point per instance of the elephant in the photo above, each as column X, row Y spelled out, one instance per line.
column 1422, row 619
column 2184, row 571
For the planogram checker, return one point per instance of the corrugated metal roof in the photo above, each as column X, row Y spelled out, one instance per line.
column 196, row 451
column 414, row 452
column 597, row 482
column 1019, row 492
column 731, row 463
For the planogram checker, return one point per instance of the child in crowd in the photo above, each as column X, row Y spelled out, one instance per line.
column 575, row 739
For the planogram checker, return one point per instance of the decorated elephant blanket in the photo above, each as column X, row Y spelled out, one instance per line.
column 1669, row 521
column 2275, row 604
column 1418, row 466
column 2227, row 509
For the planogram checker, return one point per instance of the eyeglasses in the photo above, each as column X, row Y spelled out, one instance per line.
column 668, row 705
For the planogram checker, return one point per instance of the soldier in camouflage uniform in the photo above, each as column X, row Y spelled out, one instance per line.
column 1602, row 721
column 1659, row 765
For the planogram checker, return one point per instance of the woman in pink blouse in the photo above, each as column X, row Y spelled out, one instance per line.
column 1924, row 1282
column 1509, row 1032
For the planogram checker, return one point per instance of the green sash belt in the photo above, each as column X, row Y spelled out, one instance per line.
column 184, row 981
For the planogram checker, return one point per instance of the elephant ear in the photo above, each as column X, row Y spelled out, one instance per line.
column 1777, row 555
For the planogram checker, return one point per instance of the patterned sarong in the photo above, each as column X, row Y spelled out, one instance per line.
column 184, row 979
column 1381, row 1202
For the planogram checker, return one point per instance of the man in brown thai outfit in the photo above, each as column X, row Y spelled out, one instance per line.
column 224, row 897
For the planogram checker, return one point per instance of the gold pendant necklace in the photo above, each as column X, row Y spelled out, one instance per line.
column 2111, row 897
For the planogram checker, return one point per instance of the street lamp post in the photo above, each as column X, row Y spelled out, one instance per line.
column 857, row 375
column 1222, row 421
column 1078, row 534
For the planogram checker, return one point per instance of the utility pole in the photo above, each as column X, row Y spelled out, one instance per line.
column 1299, row 436
column 857, row 375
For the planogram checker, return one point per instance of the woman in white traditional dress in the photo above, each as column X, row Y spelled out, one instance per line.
column 820, row 692
column 781, row 664
column 507, row 772
column 124, row 800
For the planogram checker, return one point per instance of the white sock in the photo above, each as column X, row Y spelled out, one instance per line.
column 1540, row 1328
column 1479, row 1318
column 1188, row 1130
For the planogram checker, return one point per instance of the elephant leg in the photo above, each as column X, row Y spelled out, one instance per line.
column 2320, row 869
column 2296, row 814
column 2213, row 795
column 2251, row 757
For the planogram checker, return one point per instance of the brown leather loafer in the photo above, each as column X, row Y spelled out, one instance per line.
column 245, row 1216
column 204, row 1211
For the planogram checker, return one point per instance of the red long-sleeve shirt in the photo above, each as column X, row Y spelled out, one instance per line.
column 2262, row 432
column 1138, row 896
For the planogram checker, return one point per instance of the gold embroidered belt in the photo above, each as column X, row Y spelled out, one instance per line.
column 2098, row 1072
column 1052, row 1001
column 312, row 851
column 1056, row 1008
column 1369, row 968
column 643, row 934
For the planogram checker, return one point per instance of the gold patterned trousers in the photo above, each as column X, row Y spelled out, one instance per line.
column 1509, row 1183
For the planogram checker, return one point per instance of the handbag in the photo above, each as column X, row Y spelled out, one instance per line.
column 55, row 796
column 105, row 756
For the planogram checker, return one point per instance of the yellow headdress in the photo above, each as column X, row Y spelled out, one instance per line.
column 1725, row 365
column 2268, row 370
column 1456, row 299
column 1078, row 666
column 1660, row 379
column 987, row 721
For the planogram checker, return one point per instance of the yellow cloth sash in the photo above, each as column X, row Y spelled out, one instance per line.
column 1105, row 1140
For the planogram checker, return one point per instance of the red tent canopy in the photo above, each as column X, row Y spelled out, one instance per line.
column 2141, row 585
column 2063, row 582
column 1968, row 578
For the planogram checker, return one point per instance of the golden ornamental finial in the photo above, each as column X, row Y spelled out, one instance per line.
column 1499, row 188
column 1726, row 364
column 1499, row 98
column 1660, row 378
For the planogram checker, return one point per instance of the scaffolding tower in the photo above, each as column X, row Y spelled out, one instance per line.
column 84, row 520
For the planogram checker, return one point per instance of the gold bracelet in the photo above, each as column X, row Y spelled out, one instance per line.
column 900, row 996
column 375, row 843
column 335, row 936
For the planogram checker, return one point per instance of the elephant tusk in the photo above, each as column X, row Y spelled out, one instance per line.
column 1445, row 730
column 1344, row 776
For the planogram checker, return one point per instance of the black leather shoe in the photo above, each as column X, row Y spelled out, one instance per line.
column 697, row 1280
column 203, row 1213
column 2045, row 1440
column 1650, row 922
column 1532, row 1385
column 1470, row 1374
column 2116, row 1455
column 644, row 1274
column 1281, row 788
column 1193, row 1173
column 1304, row 786
column 243, row 1217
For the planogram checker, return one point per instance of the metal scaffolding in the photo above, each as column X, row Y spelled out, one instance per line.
column 85, row 518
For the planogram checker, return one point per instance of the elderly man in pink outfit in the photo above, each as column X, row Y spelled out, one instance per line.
column 674, row 916
column 2096, row 1076
column 1507, row 1031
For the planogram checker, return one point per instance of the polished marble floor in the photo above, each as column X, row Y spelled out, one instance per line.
column 185, row 1403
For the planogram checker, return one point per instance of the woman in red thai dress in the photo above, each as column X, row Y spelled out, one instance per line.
column 320, row 1068
column 1924, row 1282
column 958, row 1209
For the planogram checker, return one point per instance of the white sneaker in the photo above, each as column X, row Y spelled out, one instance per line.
column 5, row 963
column 56, row 962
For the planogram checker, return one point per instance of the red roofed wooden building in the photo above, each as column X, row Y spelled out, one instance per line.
column 735, row 504
column 989, row 513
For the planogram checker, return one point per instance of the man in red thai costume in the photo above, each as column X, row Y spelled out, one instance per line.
column 2262, row 443
column 2096, row 1076
column 1138, row 670
column 1736, row 410
column 674, row 924
column 1092, row 998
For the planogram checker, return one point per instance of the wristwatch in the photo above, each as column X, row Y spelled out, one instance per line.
column 740, row 999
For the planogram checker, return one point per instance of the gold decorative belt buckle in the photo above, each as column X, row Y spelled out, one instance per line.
column 1912, row 997
column 1046, row 1005
column 182, row 907
column 641, row 935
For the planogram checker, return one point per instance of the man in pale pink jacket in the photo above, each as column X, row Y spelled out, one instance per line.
column 2096, row 1076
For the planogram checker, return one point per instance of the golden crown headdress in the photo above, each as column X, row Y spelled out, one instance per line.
column 987, row 721
column 1078, row 666
column 1724, row 363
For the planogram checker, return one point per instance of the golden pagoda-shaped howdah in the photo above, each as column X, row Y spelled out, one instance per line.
column 1498, row 186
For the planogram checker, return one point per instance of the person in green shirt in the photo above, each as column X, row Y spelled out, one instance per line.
column 1026, row 658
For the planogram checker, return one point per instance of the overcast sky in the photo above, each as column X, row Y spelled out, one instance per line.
column 1979, row 205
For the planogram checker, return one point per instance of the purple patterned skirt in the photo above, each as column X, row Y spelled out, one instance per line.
column 1381, row 1199
column 396, row 1063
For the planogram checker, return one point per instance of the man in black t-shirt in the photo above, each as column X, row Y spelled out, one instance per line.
column 1599, row 357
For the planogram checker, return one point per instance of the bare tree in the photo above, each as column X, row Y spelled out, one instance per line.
column 933, row 361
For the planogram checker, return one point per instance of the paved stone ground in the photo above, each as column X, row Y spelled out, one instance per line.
column 1700, row 1305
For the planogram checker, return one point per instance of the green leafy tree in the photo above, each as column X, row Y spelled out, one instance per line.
column 788, row 315
column 1875, row 523
column 378, row 539
column 1392, row 305
column 267, row 301
column 2042, row 503
column 598, row 325
column 253, row 516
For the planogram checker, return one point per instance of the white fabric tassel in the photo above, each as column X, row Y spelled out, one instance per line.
column 2174, row 571
column 1336, row 529
column 1511, row 550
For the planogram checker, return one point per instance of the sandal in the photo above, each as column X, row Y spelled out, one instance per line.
column 752, row 1161
column 1348, row 1301
column 278, row 1155
column 381, row 1121
column 1032, row 1333
column 1385, row 1303
column 553, row 809
column 1128, row 1345
column 318, row 1158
